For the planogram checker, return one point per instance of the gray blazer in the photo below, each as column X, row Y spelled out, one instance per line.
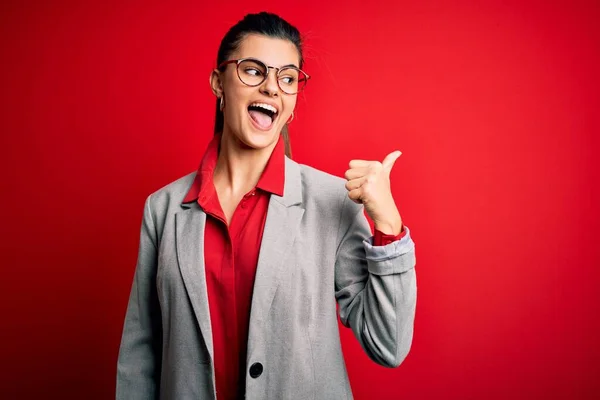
column 316, row 250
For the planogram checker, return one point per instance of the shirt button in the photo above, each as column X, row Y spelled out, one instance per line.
column 243, row 204
column 256, row 370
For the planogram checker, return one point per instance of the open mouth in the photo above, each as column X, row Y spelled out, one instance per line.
column 262, row 114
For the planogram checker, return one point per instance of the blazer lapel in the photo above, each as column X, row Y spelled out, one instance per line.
column 283, row 218
column 190, row 225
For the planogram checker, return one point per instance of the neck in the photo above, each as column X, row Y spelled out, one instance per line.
column 239, row 166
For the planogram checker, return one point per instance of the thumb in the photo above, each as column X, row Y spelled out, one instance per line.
column 390, row 159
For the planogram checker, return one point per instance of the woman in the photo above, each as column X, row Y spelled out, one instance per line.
column 241, row 262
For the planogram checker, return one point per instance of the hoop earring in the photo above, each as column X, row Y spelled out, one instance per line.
column 290, row 119
column 222, row 104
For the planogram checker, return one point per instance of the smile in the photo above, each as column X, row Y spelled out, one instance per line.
column 262, row 115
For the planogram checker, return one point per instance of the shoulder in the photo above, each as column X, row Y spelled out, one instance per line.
column 172, row 194
column 323, row 191
column 319, row 178
column 321, row 183
column 327, row 193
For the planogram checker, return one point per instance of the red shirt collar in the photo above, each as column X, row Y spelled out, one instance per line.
column 271, row 180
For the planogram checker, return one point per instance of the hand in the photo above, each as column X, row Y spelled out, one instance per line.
column 368, row 183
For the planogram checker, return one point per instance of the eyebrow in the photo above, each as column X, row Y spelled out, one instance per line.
column 283, row 66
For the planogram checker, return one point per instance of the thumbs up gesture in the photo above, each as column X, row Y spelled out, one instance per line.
column 368, row 183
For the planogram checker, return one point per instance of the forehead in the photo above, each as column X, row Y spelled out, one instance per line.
column 272, row 51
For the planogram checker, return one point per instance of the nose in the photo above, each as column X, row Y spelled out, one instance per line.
column 270, row 87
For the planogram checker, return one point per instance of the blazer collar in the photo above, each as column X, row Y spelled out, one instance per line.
column 292, row 186
column 271, row 179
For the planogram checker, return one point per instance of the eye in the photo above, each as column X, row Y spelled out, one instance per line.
column 253, row 71
column 288, row 80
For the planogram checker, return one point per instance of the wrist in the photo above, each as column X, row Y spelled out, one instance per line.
column 389, row 227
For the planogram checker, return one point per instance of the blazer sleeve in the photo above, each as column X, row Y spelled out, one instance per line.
column 375, row 287
column 138, row 365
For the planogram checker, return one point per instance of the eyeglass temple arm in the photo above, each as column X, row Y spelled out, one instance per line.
column 224, row 63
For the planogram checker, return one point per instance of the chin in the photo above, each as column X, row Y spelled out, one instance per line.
column 256, row 139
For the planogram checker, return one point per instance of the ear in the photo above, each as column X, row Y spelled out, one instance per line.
column 215, row 83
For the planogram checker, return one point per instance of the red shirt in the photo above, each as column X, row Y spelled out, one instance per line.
column 231, row 256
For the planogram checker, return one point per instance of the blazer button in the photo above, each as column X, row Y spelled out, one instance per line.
column 256, row 370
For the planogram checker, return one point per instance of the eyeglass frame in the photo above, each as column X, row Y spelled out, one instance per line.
column 268, row 67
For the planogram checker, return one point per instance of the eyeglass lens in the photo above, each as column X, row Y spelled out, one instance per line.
column 253, row 73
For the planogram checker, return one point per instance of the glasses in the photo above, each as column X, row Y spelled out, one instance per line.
column 253, row 72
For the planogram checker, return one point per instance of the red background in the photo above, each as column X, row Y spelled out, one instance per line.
column 494, row 105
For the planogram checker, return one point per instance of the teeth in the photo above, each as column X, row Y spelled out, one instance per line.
column 265, row 106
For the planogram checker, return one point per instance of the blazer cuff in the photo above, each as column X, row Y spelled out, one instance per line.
column 395, row 257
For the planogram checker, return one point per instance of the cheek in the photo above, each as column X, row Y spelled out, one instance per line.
column 234, row 95
column 235, row 98
column 289, row 104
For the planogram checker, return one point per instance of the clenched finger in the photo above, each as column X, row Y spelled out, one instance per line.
column 356, row 173
column 359, row 163
column 355, row 183
column 355, row 195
